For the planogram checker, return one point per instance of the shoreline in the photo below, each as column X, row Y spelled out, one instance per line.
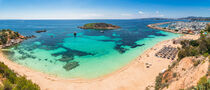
column 135, row 75
column 155, row 26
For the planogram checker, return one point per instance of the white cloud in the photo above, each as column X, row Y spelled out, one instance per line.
column 91, row 15
column 162, row 15
column 141, row 12
column 126, row 14
column 158, row 14
column 150, row 14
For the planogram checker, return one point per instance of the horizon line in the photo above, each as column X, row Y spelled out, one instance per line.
column 105, row 18
column 83, row 18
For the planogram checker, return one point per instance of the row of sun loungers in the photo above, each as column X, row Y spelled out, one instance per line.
column 167, row 52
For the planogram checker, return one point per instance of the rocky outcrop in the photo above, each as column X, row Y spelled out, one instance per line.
column 9, row 38
column 99, row 26
column 29, row 37
column 71, row 65
column 186, row 73
column 40, row 31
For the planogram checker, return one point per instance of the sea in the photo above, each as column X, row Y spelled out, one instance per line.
column 91, row 54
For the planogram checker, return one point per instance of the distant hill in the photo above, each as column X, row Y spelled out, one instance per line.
column 156, row 18
column 194, row 18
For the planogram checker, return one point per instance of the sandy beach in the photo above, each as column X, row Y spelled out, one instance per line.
column 134, row 76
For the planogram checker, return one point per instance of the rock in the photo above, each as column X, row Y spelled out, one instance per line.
column 120, row 49
column 71, row 65
column 99, row 26
column 10, row 38
column 8, row 52
column 66, row 58
column 40, row 31
column 28, row 37
column 75, row 34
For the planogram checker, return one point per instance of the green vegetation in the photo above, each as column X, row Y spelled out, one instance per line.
column 89, row 25
column 203, row 84
column 189, row 48
column 158, row 84
column 99, row 26
column 194, row 43
column 174, row 75
column 196, row 63
column 162, row 80
column 196, row 47
column 9, row 79
column 13, row 82
column 208, row 28
column 6, row 35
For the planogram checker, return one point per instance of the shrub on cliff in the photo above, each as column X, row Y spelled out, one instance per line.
column 14, row 82
column 158, row 82
column 208, row 28
column 8, row 34
column 194, row 43
column 195, row 47
column 203, row 84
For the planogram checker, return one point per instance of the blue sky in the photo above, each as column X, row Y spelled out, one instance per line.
column 102, row 9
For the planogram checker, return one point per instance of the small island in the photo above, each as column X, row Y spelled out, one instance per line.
column 40, row 31
column 99, row 26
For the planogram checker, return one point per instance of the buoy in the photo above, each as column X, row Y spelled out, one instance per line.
column 75, row 34
column 102, row 31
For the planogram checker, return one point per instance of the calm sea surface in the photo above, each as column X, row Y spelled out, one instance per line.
column 89, row 55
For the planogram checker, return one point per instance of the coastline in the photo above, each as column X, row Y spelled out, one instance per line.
column 135, row 75
column 155, row 26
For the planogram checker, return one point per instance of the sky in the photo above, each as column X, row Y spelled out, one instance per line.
column 102, row 9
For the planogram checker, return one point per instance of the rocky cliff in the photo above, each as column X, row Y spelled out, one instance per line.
column 9, row 37
column 184, row 74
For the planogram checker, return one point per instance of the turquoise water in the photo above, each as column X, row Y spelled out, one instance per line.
column 94, row 53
